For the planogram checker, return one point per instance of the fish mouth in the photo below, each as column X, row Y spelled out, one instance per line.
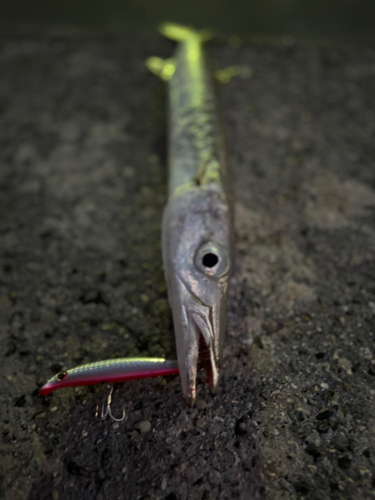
column 197, row 342
column 207, row 356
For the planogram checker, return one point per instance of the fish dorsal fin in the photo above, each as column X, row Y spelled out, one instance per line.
column 162, row 68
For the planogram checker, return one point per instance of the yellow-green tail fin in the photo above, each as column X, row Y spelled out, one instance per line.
column 179, row 33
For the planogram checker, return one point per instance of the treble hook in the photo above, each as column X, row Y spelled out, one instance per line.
column 107, row 411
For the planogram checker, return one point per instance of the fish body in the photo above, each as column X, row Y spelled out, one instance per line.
column 197, row 223
column 111, row 371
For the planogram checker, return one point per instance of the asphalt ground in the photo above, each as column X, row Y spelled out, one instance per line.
column 83, row 182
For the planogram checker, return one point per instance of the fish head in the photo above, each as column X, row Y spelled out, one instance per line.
column 197, row 263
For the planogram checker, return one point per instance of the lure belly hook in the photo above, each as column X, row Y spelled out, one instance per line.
column 197, row 224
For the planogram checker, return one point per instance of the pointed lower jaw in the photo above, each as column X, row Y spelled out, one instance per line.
column 205, row 355
column 208, row 360
column 190, row 400
column 214, row 382
column 195, row 341
column 190, row 369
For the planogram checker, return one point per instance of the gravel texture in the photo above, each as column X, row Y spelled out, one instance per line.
column 82, row 186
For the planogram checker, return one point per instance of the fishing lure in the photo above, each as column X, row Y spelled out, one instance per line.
column 111, row 371
column 197, row 232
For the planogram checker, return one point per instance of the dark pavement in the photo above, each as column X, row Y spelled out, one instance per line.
column 83, row 181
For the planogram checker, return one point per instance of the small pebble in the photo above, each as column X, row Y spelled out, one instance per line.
column 201, row 404
column 241, row 428
column 143, row 426
column 84, row 433
column 41, row 415
column 198, row 422
column 30, row 369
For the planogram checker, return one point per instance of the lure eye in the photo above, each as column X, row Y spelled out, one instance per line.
column 62, row 375
column 212, row 260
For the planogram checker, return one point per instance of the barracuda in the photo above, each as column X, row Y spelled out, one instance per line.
column 197, row 229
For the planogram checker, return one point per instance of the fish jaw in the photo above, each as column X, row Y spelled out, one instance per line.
column 197, row 339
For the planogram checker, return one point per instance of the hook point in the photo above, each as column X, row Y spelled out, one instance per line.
column 106, row 408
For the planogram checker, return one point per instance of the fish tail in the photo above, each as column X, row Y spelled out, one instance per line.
column 165, row 68
column 180, row 33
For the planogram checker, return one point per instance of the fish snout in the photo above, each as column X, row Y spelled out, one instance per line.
column 197, row 331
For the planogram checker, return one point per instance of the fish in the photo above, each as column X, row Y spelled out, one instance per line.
column 111, row 371
column 197, row 226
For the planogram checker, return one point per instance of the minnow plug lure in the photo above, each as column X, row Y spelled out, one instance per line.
column 197, row 224
column 111, row 371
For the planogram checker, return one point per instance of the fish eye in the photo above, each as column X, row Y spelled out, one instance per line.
column 212, row 260
column 62, row 375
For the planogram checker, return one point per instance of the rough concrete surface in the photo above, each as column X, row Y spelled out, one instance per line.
column 82, row 186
